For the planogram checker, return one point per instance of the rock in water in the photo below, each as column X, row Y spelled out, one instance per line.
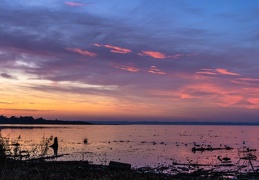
column 119, row 166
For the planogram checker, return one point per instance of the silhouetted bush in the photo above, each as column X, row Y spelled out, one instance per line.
column 2, row 148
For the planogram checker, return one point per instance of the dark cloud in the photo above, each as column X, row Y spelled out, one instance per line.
column 7, row 76
column 73, row 90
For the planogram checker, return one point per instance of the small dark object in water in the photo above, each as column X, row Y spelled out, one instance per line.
column 85, row 140
column 119, row 166
column 224, row 159
column 194, row 149
column 16, row 144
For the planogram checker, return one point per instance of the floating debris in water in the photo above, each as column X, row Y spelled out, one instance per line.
column 85, row 141
column 194, row 149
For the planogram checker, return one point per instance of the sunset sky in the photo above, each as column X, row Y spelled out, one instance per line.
column 168, row 60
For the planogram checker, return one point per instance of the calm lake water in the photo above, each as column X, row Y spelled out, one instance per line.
column 139, row 145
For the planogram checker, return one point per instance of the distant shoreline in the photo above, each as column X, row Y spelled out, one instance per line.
column 133, row 123
column 175, row 123
column 29, row 120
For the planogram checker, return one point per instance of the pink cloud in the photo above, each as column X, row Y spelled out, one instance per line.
column 221, row 95
column 97, row 45
column 130, row 68
column 226, row 72
column 250, row 79
column 160, row 55
column 82, row 52
column 229, row 100
column 153, row 54
column 206, row 72
column 217, row 72
column 246, row 81
column 254, row 101
column 73, row 4
column 155, row 70
column 116, row 49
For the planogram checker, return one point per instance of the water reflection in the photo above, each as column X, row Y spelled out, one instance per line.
column 141, row 145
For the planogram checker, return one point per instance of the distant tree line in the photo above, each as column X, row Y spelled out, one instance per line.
column 31, row 120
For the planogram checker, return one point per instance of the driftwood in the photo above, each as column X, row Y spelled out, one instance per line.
column 194, row 149
column 45, row 158
column 119, row 166
column 198, row 165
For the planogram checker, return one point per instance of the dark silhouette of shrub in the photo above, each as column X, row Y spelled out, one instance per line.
column 2, row 149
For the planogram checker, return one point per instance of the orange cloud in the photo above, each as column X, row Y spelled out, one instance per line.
column 82, row 52
column 74, row 4
column 155, row 70
column 116, row 49
column 153, row 54
column 126, row 68
column 225, row 72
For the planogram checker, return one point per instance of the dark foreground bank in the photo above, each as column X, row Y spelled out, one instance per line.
column 13, row 169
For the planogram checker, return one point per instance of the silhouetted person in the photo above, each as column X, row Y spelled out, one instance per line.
column 55, row 146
